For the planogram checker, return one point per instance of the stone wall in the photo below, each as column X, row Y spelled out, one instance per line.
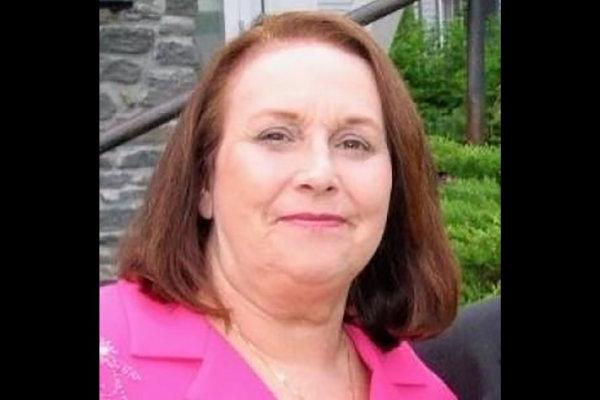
column 148, row 54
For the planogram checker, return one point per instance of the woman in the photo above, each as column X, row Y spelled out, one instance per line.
column 291, row 239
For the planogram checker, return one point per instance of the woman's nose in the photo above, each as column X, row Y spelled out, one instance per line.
column 317, row 170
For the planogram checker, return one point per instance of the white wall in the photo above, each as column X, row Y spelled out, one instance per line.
column 239, row 14
column 277, row 6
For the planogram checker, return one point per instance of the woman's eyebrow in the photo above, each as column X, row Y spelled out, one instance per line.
column 287, row 115
column 354, row 120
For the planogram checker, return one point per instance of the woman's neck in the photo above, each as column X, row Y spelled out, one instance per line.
column 288, row 322
column 291, row 329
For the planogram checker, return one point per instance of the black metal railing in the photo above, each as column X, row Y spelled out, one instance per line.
column 154, row 117
column 116, row 5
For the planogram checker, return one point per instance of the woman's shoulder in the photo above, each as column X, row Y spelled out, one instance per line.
column 125, row 310
column 118, row 301
column 112, row 311
column 117, row 308
column 117, row 375
column 148, row 349
column 127, row 315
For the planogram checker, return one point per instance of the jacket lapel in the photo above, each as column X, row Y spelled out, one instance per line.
column 164, row 331
column 173, row 332
column 159, row 330
column 394, row 375
column 224, row 374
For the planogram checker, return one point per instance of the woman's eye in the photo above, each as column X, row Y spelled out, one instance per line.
column 354, row 144
column 275, row 136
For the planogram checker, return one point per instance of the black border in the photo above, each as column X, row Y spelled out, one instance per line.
column 52, row 256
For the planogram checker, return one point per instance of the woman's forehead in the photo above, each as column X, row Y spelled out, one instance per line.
column 301, row 75
column 285, row 58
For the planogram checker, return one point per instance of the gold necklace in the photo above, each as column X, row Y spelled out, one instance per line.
column 280, row 376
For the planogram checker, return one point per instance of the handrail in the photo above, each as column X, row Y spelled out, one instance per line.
column 376, row 10
column 156, row 116
column 116, row 5
column 142, row 123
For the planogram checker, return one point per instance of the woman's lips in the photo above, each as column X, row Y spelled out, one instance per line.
column 311, row 220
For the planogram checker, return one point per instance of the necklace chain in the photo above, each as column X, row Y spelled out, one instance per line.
column 282, row 377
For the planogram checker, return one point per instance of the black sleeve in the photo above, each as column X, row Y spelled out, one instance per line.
column 467, row 355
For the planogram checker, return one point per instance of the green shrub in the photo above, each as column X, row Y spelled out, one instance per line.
column 464, row 160
column 471, row 209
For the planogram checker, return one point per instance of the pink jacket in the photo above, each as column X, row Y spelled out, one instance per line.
column 153, row 351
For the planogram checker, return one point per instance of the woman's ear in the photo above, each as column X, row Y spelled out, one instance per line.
column 205, row 205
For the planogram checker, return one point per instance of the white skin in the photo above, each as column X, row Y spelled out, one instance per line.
column 303, row 133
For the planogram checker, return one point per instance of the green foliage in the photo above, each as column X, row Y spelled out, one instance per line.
column 492, row 71
column 471, row 209
column 435, row 72
column 465, row 161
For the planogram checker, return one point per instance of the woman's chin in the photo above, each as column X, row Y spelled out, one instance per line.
column 318, row 271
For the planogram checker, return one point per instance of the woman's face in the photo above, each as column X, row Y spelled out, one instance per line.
column 303, row 174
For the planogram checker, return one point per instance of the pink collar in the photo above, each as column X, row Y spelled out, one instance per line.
column 175, row 332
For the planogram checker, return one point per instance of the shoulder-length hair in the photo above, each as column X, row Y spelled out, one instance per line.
column 409, row 289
